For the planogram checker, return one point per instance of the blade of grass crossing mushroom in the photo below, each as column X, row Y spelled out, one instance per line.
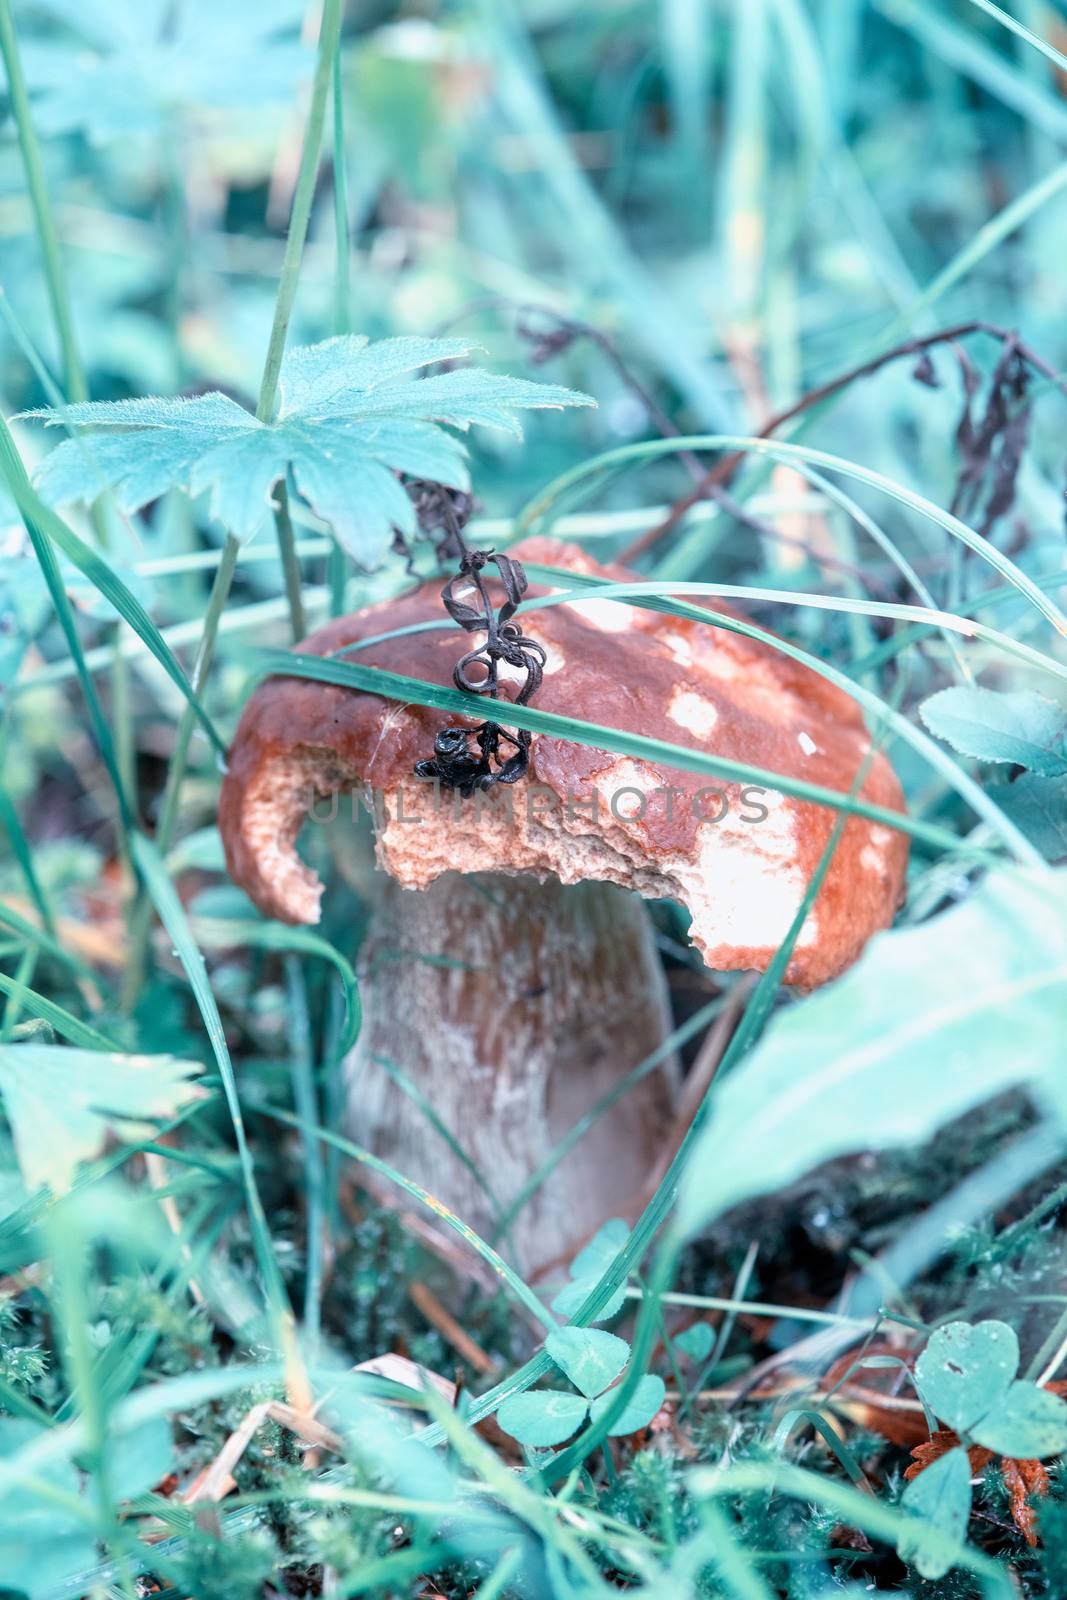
column 396, row 686
column 674, row 1041
column 172, row 916
column 655, row 1213
column 748, row 1031
column 948, row 622
column 540, row 509
column 418, row 1099
column 506, row 1274
column 932, row 752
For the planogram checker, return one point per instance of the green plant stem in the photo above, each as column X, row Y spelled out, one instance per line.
column 121, row 711
column 329, row 36
column 55, row 280
column 328, row 39
column 290, row 562
column 74, row 379
column 337, row 565
column 141, row 921
column 340, row 205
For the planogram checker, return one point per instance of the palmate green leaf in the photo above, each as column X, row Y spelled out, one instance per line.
column 132, row 67
column 350, row 419
column 966, row 1370
column 1025, row 728
column 939, row 1499
column 851, row 1068
column 62, row 1103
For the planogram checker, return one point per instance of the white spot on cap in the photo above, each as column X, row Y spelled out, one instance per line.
column 692, row 711
column 610, row 616
column 680, row 647
column 872, row 857
column 807, row 743
column 746, row 885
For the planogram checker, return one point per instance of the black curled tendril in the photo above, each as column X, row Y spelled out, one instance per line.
column 470, row 759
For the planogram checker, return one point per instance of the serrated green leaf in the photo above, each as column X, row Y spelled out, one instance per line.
column 1024, row 728
column 591, row 1358
column 939, row 1499
column 62, row 1103
column 350, row 422
column 1026, row 1422
column 966, row 1370
column 1038, row 808
column 638, row 1410
column 542, row 1417
column 129, row 69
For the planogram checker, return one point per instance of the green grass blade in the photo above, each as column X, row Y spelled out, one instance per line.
column 396, row 686
column 507, row 1275
column 172, row 916
column 68, row 1026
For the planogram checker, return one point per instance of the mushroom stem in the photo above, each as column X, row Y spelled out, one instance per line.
column 511, row 1008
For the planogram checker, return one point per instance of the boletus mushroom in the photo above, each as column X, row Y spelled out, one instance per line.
column 511, row 975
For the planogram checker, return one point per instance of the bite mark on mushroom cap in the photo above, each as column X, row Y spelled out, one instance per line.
column 741, row 877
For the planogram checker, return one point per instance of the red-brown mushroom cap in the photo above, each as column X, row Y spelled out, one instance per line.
column 584, row 813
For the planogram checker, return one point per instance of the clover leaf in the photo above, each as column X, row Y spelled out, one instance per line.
column 589, row 1266
column 966, row 1375
column 592, row 1360
column 939, row 1501
column 350, row 421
